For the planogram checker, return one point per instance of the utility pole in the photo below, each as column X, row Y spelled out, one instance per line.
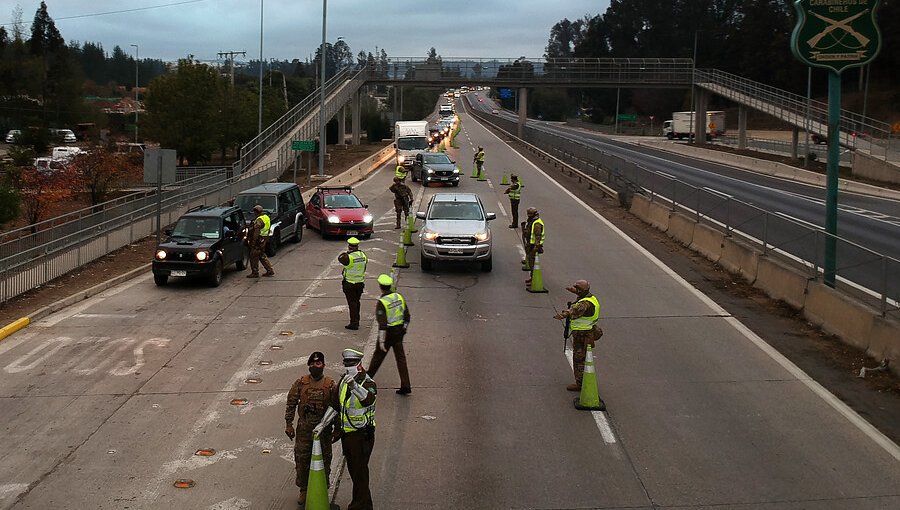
column 230, row 55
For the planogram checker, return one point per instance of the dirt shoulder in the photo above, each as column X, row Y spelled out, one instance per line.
column 140, row 253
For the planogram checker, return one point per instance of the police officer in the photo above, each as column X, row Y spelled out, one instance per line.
column 479, row 161
column 354, row 275
column 535, row 239
column 583, row 315
column 259, row 236
column 354, row 403
column 392, row 315
column 402, row 198
column 309, row 397
column 515, row 194
column 401, row 172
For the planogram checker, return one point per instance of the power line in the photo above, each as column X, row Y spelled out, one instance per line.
column 122, row 11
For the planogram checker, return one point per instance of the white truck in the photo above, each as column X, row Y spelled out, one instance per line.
column 681, row 124
column 410, row 138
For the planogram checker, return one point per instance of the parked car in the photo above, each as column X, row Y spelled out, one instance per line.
column 283, row 203
column 456, row 229
column 819, row 139
column 66, row 135
column 47, row 165
column 204, row 241
column 337, row 211
column 435, row 167
column 13, row 135
column 65, row 153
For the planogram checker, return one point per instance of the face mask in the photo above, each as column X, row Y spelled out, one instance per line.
column 316, row 372
column 351, row 371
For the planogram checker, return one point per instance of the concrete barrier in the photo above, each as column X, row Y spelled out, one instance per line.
column 681, row 228
column 356, row 172
column 839, row 314
column 884, row 342
column 708, row 241
column 868, row 167
column 779, row 281
column 741, row 258
column 658, row 216
column 640, row 206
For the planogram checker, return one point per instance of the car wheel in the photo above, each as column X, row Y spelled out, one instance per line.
column 487, row 265
column 367, row 236
column 272, row 245
column 161, row 279
column 298, row 233
column 670, row 136
column 215, row 279
column 427, row 264
column 455, row 184
column 242, row 262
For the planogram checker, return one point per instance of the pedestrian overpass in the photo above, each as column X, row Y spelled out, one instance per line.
column 870, row 138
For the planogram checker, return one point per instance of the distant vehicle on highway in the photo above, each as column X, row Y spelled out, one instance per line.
column 819, row 139
column 13, row 135
column 337, row 211
column 456, row 229
column 495, row 111
column 204, row 241
column 435, row 167
column 283, row 203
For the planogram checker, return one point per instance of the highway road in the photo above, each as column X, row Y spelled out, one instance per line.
column 105, row 403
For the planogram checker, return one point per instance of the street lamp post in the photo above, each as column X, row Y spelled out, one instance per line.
column 259, row 124
column 693, row 69
column 322, row 140
column 136, row 104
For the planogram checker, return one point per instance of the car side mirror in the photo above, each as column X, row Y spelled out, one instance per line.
column 491, row 216
column 167, row 232
column 420, row 215
column 365, row 206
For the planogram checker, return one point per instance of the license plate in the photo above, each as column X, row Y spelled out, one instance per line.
column 455, row 251
column 179, row 273
column 443, row 178
column 352, row 232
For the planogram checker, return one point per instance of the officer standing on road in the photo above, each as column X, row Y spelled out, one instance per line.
column 259, row 236
column 479, row 161
column 393, row 317
column 401, row 172
column 354, row 402
column 310, row 396
column 535, row 239
column 583, row 315
column 402, row 198
column 515, row 194
column 354, row 275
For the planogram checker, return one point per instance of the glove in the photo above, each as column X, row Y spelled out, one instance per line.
column 289, row 431
column 540, row 248
column 318, row 430
column 405, row 326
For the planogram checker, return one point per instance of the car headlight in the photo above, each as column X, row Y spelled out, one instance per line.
column 161, row 255
column 333, row 219
column 481, row 236
column 367, row 218
column 429, row 235
column 401, row 159
column 430, row 171
column 456, row 170
column 202, row 255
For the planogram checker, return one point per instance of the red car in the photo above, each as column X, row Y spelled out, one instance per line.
column 337, row 211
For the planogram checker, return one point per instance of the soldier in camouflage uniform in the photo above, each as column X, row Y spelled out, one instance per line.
column 584, row 315
column 309, row 397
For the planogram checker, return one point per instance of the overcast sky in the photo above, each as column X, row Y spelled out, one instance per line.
column 171, row 29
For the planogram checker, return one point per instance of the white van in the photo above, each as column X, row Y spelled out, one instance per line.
column 65, row 153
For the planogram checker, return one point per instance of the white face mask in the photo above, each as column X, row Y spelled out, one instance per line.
column 351, row 371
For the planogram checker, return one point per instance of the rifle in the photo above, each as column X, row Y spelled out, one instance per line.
column 566, row 330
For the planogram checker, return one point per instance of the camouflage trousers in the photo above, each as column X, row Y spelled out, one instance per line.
column 580, row 341
column 303, row 456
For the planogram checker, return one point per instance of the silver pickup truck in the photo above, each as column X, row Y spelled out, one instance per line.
column 456, row 229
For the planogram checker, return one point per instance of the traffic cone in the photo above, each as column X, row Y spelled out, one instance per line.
column 474, row 172
column 537, row 280
column 401, row 257
column 589, row 400
column 504, row 181
column 411, row 223
column 481, row 175
column 317, row 486
column 407, row 237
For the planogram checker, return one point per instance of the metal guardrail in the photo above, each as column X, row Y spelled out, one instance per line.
column 864, row 272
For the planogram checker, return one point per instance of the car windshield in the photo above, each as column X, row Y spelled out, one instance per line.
column 197, row 228
column 247, row 202
column 342, row 202
column 412, row 143
column 437, row 159
column 455, row 211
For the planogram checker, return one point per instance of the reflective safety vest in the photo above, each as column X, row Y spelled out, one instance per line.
column 516, row 193
column 480, row 156
column 400, row 172
column 394, row 306
column 543, row 232
column 586, row 323
column 354, row 415
column 267, row 223
column 355, row 271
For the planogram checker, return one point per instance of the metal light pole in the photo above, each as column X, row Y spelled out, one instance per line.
column 322, row 141
column 259, row 125
column 136, row 104
column 693, row 69
column 808, row 99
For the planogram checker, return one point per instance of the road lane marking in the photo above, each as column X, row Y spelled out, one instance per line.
column 599, row 416
column 798, row 220
column 502, row 210
column 843, row 409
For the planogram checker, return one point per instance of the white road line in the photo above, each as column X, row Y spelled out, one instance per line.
column 490, row 184
column 502, row 210
column 865, row 427
column 798, row 220
column 104, row 316
column 670, row 176
column 599, row 416
column 717, row 192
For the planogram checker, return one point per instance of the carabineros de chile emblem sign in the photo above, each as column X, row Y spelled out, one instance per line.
column 836, row 34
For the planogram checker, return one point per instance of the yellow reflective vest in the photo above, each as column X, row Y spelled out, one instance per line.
column 355, row 271
column 394, row 306
column 586, row 323
column 534, row 240
column 354, row 415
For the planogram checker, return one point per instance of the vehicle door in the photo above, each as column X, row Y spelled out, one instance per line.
column 232, row 237
column 285, row 214
column 314, row 210
column 299, row 208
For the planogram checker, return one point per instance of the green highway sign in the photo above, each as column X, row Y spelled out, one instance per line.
column 627, row 116
column 836, row 34
column 304, row 145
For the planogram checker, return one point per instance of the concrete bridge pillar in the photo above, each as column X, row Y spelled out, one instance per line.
column 523, row 112
column 342, row 125
column 742, row 127
column 354, row 120
column 795, row 140
column 700, row 117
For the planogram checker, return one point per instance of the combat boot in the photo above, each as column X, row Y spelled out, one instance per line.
column 573, row 387
column 301, row 499
column 269, row 273
column 253, row 275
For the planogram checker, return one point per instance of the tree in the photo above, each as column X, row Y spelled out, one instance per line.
column 101, row 172
column 9, row 203
column 43, row 191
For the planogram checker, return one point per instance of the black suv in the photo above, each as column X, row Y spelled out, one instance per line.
column 283, row 203
column 203, row 242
